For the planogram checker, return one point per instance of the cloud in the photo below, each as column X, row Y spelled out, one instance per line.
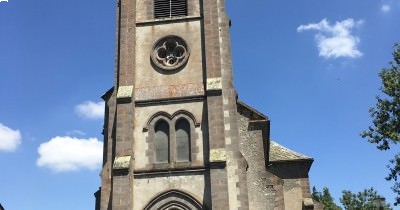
column 336, row 40
column 9, row 139
column 66, row 153
column 385, row 8
column 90, row 110
column 76, row 132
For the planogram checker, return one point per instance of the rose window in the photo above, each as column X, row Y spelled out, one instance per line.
column 170, row 53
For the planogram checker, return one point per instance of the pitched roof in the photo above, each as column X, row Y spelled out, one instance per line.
column 107, row 94
column 281, row 153
column 256, row 115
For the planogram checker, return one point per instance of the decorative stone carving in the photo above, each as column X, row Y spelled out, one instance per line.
column 170, row 53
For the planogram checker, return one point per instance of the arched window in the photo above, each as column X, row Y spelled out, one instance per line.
column 170, row 8
column 182, row 130
column 161, row 142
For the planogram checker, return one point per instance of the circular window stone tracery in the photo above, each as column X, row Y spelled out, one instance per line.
column 170, row 53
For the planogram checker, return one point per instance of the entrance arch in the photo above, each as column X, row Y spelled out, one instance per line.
column 174, row 200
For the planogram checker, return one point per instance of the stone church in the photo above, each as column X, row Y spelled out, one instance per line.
column 176, row 136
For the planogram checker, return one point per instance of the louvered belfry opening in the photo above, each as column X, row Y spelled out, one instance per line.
column 170, row 8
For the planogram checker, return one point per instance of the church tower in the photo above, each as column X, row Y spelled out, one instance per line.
column 175, row 135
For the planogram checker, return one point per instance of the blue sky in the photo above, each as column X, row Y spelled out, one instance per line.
column 311, row 66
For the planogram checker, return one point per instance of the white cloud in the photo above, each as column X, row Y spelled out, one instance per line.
column 336, row 40
column 385, row 8
column 76, row 132
column 9, row 139
column 90, row 110
column 70, row 154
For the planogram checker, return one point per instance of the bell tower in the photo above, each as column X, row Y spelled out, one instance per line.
column 171, row 137
column 175, row 135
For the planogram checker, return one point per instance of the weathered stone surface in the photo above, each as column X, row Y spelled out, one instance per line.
column 232, row 164
column 125, row 92
column 147, row 188
column 214, row 84
column 261, row 184
column 217, row 155
column 122, row 162
column 143, row 133
column 308, row 202
column 168, row 92
column 147, row 76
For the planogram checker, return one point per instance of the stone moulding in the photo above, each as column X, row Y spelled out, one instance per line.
column 170, row 117
column 170, row 53
column 174, row 199
column 122, row 162
column 171, row 91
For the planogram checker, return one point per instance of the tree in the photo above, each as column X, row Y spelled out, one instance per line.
column 385, row 130
column 325, row 199
column 366, row 200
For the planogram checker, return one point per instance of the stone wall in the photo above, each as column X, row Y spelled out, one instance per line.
column 260, row 188
column 295, row 182
column 144, row 132
column 188, row 80
column 145, row 11
column 148, row 187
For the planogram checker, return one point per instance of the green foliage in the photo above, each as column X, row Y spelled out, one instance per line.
column 386, row 117
column 366, row 200
column 386, row 114
column 325, row 199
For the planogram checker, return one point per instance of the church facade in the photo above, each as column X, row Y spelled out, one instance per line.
column 176, row 136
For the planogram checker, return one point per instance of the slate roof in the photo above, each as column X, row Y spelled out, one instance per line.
column 281, row 153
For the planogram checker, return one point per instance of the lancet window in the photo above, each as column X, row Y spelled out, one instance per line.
column 172, row 140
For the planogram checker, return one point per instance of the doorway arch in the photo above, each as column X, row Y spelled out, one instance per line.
column 174, row 200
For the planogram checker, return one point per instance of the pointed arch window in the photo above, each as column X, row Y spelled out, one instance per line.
column 172, row 141
column 182, row 131
column 174, row 200
column 170, row 8
column 161, row 142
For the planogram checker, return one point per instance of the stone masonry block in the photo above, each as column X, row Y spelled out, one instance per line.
column 125, row 92
column 122, row 162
